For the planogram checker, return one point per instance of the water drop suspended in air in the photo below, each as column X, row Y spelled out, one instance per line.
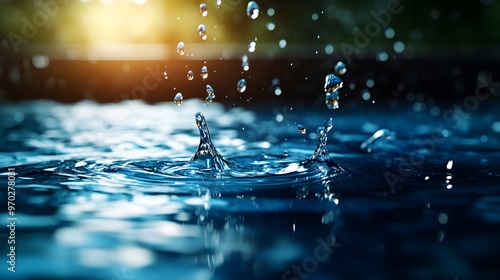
column 332, row 100
column 332, row 83
column 204, row 72
column 165, row 74
column 244, row 63
column 251, row 45
column 253, row 10
column 301, row 129
column 241, row 86
column 178, row 99
column 180, row 48
column 190, row 75
column 202, row 31
column 210, row 94
column 219, row 2
column 340, row 68
column 203, row 9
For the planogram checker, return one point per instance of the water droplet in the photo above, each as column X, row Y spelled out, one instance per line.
column 180, row 48
column 178, row 99
column 219, row 2
column 251, row 45
column 244, row 63
column 332, row 83
column 253, row 10
column 332, row 100
column 190, row 75
column 165, row 74
column 340, row 68
column 241, row 86
column 301, row 129
column 203, row 9
column 210, row 94
column 204, row 72
column 282, row 43
column 270, row 12
column 285, row 153
column 270, row 26
column 278, row 91
column 202, row 31
column 449, row 165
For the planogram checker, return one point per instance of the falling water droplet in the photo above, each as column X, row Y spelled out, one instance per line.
column 332, row 100
column 244, row 63
column 165, row 74
column 190, row 75
column 241, row 86
column 210, row 94
column 340, row 68
column 285, row 153
column 301, row 129
column 202, row 31
column 251, row 45
column 253, row 10
column 178, row 99
column 204, row 72
column 180, row 48
column 219, row 2
column 203, row 9
column 332, row 83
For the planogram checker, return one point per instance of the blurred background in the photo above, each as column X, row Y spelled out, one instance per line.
column 114, row 50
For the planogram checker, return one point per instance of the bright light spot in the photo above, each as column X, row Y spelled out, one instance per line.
column 277, row 91
column 279, row 118
column 389, row 33
column 270, row 26
column 443, row 218
column 140, row 2
column 399, row 47
column 314, row 17
column 449, row 186
column 270, row 12
column 426, row 178
column 370, row 83
column 366, row 95
column 282, row 43
column 40, row 61
column 449, row 165
column 382, row 56
column 329, row 49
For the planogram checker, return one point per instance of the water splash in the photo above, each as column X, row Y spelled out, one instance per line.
column 206, row 157
column 381, row 133
column 320, row 157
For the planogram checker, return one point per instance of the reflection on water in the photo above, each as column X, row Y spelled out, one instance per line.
column 106, row 194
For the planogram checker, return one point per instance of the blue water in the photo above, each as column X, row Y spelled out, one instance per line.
column 117, row 191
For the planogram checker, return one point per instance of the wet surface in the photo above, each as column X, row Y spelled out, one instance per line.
column 125, row 191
